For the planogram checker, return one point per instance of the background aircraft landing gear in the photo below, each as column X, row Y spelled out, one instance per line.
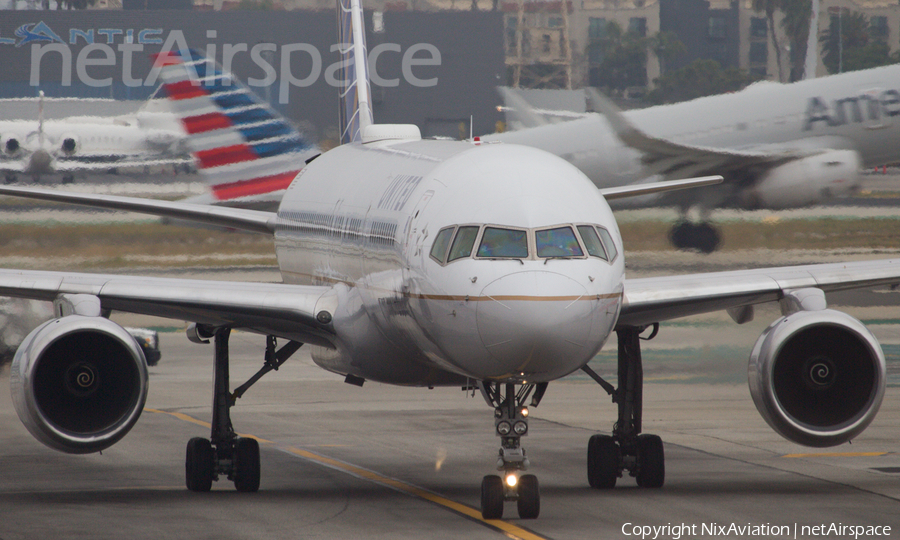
column 511, row 424
column 700, row 236
column 627, row 449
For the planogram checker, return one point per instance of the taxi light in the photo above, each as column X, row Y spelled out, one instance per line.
column 520, row 428
column 503, row 428
column 511, row 480
column 524, row 412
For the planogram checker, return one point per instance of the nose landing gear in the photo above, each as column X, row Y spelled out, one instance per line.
column 511, row 424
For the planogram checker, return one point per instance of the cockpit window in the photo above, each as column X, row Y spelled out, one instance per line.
column 592, row 242
column 503, row 243
column 464, row 242
column 608, row 243
column 441, row 242
column 559, row 242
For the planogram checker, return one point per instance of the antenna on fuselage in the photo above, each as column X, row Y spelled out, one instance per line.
column 355, row 104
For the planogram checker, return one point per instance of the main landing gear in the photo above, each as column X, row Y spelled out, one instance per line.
column 700, row 236
column 224, row 453
column 511, row 424
column 627, row 449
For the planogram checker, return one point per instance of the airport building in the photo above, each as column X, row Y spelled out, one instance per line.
column 421, row 72
column 481, row 44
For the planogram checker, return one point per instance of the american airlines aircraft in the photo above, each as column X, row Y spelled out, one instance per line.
column 86, row 144
column 777, row 145
column 495, row 267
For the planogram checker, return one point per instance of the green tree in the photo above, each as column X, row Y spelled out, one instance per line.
column 618, row 59
column 797, row 15
column 700, row 78
column 667, row 47
column 848, row 44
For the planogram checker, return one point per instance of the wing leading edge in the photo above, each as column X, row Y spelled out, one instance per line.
column 651, row 300
column 288, row 311
column 218, row 216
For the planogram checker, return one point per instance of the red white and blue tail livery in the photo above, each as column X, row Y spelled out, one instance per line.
column 247, row 152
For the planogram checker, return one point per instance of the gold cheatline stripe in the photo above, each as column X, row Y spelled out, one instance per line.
column 465, row 298
column 838, row 454
column 510, row 530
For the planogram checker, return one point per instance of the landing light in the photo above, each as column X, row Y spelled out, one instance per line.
column 503, row 428
column 520, row 428
column 511, row 480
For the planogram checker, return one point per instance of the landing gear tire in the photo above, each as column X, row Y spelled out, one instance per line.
column 651, row 463
column 492, row 497
column 198, row 465
column 529, row 502
column 603, row 459
column 700, row 236
column 246, row 465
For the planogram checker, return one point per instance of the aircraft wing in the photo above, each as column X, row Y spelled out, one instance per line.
column 98, row 164
column 651, row 300
column 287, row 311
column 217, row 216
column 671, row 159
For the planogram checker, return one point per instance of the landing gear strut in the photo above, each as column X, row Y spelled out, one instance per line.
column 224, row 453
column 627, row 449
column 511, row 424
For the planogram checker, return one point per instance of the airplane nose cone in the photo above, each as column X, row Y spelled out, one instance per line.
column 536, row 325
column 39, row 162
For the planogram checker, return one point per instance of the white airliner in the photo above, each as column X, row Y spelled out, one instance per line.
column 439, row 263
column 777, row 145
column 86, row 144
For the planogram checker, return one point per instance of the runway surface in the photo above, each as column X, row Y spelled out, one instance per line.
column 383, row 462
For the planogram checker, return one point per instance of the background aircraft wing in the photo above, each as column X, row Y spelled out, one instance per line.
column 671, row 159
column 88, row 165
column 650, row 300
column 287, row 311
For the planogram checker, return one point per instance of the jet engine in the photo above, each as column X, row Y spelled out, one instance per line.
column 79, row 383
column 817, row 377
column 807, row 181
column 10, row 145
column 69, row 143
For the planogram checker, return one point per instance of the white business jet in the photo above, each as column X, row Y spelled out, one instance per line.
column 73, row 145
column 439, row 263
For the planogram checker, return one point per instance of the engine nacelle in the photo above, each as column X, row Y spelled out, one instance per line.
column 807, row 181
column 10, row 145
column 79, row 383
column 68, row 143
column 817, row 377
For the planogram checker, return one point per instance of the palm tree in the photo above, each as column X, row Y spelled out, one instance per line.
column 797, row 14
column 769, row 6
column 845, row 32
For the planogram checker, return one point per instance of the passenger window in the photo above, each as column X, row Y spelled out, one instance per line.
column 592, row 242
column 559, row 242
column 502, row 243
column 608, row 243
column 441, row 242
column 464, row 242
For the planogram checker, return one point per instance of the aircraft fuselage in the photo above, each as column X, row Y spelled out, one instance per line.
column 525, row 301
